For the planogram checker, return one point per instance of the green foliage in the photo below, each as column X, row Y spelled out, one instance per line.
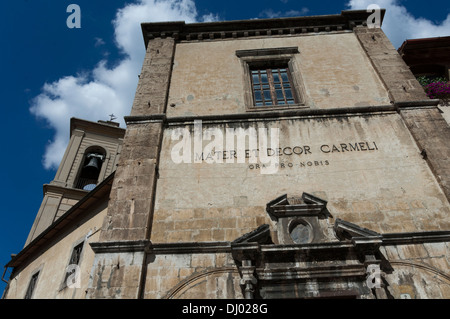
column 425, row 80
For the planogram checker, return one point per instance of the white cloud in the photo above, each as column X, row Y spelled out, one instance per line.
column 99, row 42
column 292, row 13
column 103, row 91
column 399, row 24
column 211, row 17
column 270, row 13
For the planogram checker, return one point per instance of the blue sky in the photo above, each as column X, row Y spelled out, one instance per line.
column 52, row 73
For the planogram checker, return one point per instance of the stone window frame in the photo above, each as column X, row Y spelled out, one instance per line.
column 271, row 56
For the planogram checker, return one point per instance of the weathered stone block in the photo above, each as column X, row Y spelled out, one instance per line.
column 200, row 235
column 227, row 222
column 203, row 260
column 218, row 234
column 412, row 251
column 437, row 249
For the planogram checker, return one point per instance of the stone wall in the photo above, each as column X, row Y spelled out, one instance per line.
column 335, row 73
column 386, row 186
column 419, row 271
column 427, row 125
column 192, row 276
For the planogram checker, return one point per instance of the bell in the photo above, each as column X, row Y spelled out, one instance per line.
column 92, row 166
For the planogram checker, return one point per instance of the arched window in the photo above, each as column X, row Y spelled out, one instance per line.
column 90, row 169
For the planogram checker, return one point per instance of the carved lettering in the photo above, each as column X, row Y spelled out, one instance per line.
column 198, row 157
column 354, row 148
column 368, row 147
column 287, row 151
column 325, row 148
column 299, row 150
column 362, row 146
column 306, row 164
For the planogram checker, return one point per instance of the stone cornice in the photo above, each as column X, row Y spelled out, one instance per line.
column 417, row 104
column 111, row 130
column 180, row 31
column 250, row 246
column 415, row 238
column 120, row 246
column 266, row 115
column 67, row 191
column 280, row 114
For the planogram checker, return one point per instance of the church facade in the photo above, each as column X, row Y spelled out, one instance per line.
column 279, row 158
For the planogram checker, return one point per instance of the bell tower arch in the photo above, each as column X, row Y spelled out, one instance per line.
column 91, row 169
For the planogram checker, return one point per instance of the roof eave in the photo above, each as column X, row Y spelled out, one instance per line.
column 180, row 30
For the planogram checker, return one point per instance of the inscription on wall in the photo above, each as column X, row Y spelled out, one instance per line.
column 306, row 150
column 288, row 154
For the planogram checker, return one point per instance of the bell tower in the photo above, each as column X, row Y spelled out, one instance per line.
column 90, row 157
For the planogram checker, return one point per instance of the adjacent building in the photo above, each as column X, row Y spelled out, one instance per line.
column 278, row 158
column 427, row 56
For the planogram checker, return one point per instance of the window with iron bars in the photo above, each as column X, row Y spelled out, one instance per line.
column 272, row 86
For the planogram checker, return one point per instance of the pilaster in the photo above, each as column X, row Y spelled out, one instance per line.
column 420, row 114
column 131, row 202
